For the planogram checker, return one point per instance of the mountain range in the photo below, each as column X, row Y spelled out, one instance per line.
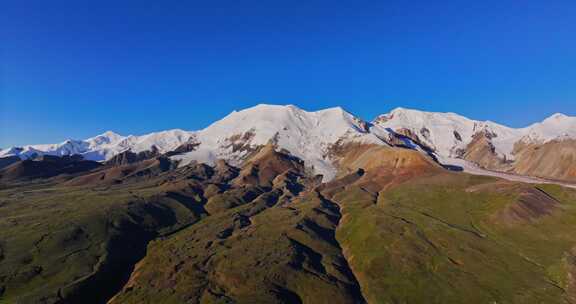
column 546, row 149
column 274, row 204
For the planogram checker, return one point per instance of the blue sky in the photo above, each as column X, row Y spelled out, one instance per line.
column 73, row 69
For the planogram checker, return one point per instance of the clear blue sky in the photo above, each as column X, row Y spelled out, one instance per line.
column 73, row 69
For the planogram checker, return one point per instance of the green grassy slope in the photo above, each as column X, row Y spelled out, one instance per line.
column 447, row 239
column 79, row 243
column 261, row 252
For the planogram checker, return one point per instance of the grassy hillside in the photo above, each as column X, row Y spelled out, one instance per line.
column 79, row 243
column 261, row 252
column 454, row 238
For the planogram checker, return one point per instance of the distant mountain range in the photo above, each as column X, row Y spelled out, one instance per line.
column 546, row 149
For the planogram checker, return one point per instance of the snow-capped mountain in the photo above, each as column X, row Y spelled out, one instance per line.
column 555, row 127
column 105, row 146
column 546, row 149
column 449, row 134
column 307, row 135
column 312, row 136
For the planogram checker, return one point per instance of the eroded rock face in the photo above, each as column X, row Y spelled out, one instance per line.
column 263, row 167
column 398, row 136
column 189, row 146
column 481, row 151
column 553, row 160
column 129, row 157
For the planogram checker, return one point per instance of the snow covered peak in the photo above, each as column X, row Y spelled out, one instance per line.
column 307, row 135
column 107, row 137
column 417, row 115
column 164, row 141
column 267, row 120
column 337, row 109
column 268, row 108
column 106, row 145
column 447, row 133
column 557, row 116
column 111, row 134
column 557, row 126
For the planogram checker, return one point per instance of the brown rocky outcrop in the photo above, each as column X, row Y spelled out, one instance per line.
column 481, row 151
column 129, row 157
column 552, row 160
